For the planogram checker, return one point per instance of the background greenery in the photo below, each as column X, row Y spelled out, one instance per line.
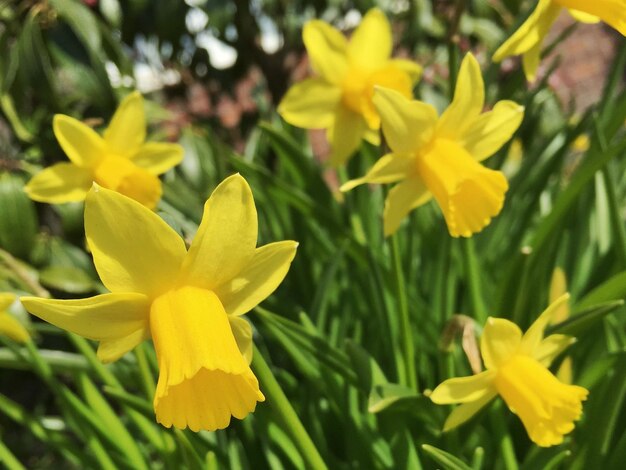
column 331, row 334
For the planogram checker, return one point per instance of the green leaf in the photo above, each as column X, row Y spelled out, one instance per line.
column 581, row 321
column 447, row 460
column 81, row 20
column 612, row 289
column 67, row 279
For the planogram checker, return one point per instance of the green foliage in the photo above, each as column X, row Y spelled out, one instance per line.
column 332, row 334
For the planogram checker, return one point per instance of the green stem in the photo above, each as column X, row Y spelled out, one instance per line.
column 147, row 379
column 410, row 374
column 472, row 276
column 506, row 443
column 280, row 404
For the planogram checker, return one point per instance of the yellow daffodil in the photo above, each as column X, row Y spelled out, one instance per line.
column 517, row 370
column 189, row 302
column 120, row 160
column 339, row 98
column 528, row 39
column 9, row 326
column 440, row 157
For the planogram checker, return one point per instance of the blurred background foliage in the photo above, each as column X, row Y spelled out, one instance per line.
column 213, row 73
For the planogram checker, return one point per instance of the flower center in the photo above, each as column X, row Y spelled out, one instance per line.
column 547, row 407
column 122, row 175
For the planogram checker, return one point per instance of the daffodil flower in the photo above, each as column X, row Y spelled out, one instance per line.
column 528, row 39
column 339, row 98
column 517, row 370
column 439, row 156
column 9, row 326
column 189, row 302
column 120, row 160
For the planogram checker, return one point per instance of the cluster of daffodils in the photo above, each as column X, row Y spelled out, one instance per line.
column 190, row 302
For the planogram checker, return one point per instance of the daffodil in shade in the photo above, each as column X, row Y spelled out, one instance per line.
column 189, row 302
column 440, row 156
column 120, row 159
column 517, row 370
column 339, row 97
column 529, row 37
column 9, row 326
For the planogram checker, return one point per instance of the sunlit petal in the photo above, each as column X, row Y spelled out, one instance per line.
column 11, row 327
column 345, row 135
column 551, row 347
column 407, row 125
column 370, row 44
column 310, row 104
column 127, row 130
column 500, row 340
column 468, row 102
column 203, row 377
column 106, row 317
column 6, row 299
column 534, row 335
column 258, row 279
column 83, row 146
column 59, row 183
column 584, row 17
column 402, row 199
column 327, row 49
column 612, row 12
column 226, row 239
column 412, row 69
column 531, row 32
column 463, row 413
column 388, row 169
column 134, row 250
column 491, row 130
column 464, row 389
column 158, row 157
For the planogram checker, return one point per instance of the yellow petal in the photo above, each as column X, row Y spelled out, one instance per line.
column 345, row 135
column 388, row 169
column 468, row 102
column 402, row 199
column 327, row 49
column 491, row 130
column 547, row 407
column 370, row 44
column 59, row 183
column 388, row 77
column 11, row 327
column 372, row 136
column 112, row 350
column 133, row 249
column 310, row 104
column 158, row 157
column 550, row 348
column 83, row 146
column 468, row 193
column 466, row 411
column 612, row 12
column 531, row 60
column 464, row 389
column 259, row 277
column 6, row 299
column 500, row 340
column 242, row 331
column 226, row 239
column 412, row 69
column 534, row 335
column 407, row 125
column 531, row 32
column 203, row 377
column 584, row 17
column 127, row 130
column 104, row 317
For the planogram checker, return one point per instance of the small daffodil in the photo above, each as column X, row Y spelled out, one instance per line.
column 517, row 370
column 9, row 326
column 189, row 302
column 528, row 39
column 339, row 97
column 119, row 160
column 440, row 156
